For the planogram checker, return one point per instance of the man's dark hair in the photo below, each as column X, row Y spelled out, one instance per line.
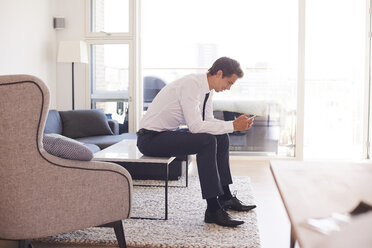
column 227, row 66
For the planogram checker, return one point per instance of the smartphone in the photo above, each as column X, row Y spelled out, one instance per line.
column 251, row 116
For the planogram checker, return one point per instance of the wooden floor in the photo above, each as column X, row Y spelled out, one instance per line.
column 272, row 219
column 273, row 222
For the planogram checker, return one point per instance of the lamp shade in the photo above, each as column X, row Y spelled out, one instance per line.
column 72, row 51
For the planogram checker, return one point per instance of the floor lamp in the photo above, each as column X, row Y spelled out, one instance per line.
column 72, row 52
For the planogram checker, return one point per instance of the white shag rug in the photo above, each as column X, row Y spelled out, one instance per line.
column 185, row 226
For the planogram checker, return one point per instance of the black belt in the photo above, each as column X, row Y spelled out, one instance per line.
column 145, row 131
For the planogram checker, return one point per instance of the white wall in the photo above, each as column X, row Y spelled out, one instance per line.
column 28, row 45
column 74, row 13
column 28, row 40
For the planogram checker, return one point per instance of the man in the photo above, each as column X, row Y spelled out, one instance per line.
column 188, row 101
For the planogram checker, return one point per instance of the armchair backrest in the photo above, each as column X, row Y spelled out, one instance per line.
column 24, row 105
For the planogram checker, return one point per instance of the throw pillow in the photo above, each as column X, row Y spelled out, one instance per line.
column 85, row 123
column 63, row 147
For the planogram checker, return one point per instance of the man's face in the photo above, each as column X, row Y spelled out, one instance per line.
column 224, row 83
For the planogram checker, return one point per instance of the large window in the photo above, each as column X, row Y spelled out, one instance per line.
column 335, row 79
column 258, row 34
column 304, row 65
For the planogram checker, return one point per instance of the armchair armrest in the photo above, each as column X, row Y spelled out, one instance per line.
column 114, row 125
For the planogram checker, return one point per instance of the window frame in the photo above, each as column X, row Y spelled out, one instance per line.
column 368, row 81
column 109, row 35
column 131, row 38
column 115, row 94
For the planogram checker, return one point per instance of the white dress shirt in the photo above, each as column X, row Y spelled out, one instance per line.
column 181, row 103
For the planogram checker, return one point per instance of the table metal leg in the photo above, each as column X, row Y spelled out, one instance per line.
column 166, row 190
column 165, row 196
column 187, row 172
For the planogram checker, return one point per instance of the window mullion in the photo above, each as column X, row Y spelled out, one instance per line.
column 367, row 113
column 301, row 81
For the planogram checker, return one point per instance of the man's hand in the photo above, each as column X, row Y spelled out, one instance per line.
column 243, row 123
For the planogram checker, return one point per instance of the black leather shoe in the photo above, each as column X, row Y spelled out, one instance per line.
column 220, row 217
column 236, row 205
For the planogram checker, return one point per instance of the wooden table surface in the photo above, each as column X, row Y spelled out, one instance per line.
column 318, row 189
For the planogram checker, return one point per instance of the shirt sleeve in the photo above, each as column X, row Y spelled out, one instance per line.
column 190, row 102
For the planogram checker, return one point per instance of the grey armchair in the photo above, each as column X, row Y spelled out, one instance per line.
column 43, row 195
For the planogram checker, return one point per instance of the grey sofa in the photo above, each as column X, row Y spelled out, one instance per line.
column 91, row 128
column 75, row 124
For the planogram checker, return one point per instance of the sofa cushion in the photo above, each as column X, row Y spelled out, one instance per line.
column 64, row 147
column 53, row 123
column 84, row 123
column 114, row 125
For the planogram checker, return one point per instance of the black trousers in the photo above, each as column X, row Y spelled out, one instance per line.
column 212, row 155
